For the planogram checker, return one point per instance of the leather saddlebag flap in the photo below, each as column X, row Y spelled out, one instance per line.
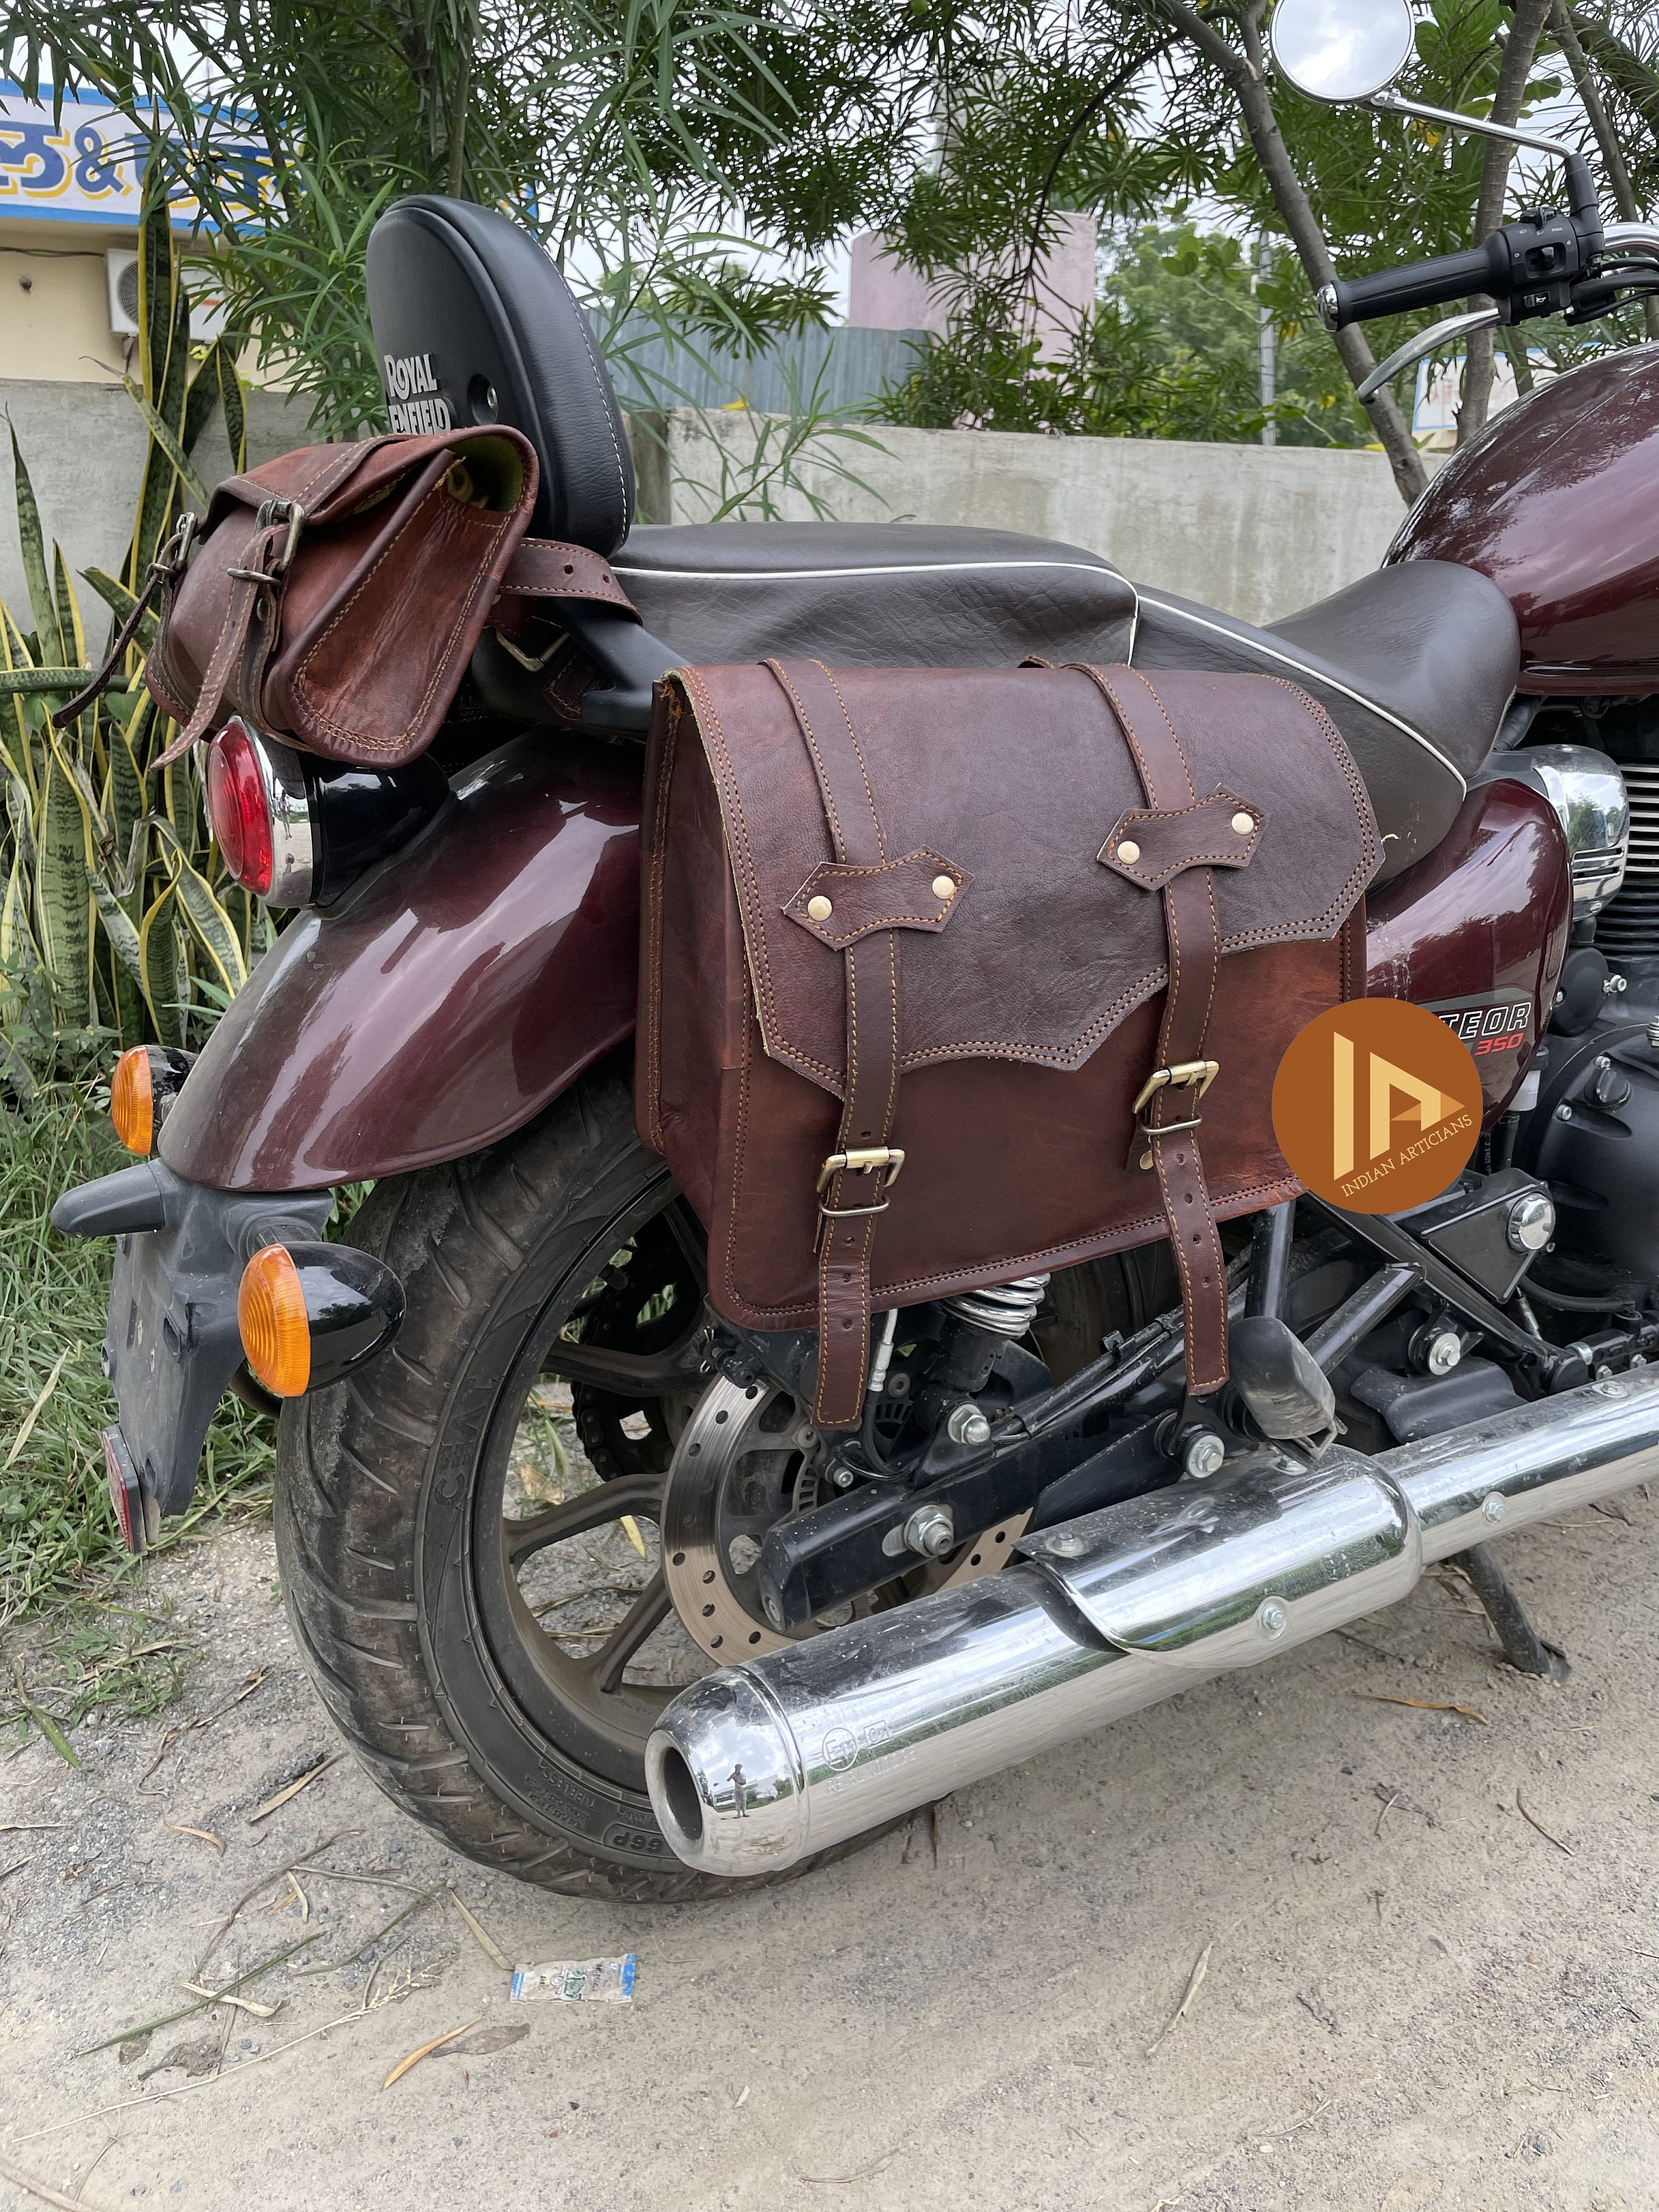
column 929, row 913
column 335, row 593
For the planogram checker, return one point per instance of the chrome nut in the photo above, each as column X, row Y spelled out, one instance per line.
column 931, row 1530
column 1204, row 1454
column 1444, row 1351
column 1272, row 1618
column 968, row 1426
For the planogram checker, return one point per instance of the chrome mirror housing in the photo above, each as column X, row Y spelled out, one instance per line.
column 1338, row 49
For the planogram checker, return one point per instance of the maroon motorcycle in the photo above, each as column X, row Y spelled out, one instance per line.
column 540, row 1506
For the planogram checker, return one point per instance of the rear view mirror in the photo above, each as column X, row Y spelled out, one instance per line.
column 1337, row 50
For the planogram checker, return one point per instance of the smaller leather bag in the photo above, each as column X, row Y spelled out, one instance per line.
column 949, row 976
column 335, row 594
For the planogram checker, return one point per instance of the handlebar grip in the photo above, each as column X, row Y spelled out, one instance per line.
column 1418, row 284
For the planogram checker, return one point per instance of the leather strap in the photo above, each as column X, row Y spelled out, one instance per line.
column 543, row 568
column 1194, row 933
column 851, row 1199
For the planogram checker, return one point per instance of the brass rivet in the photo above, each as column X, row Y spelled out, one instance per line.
column 819, row 908
column 944, row 886
column 1243, row 823
column 1145, row 1160
column 1129, row 852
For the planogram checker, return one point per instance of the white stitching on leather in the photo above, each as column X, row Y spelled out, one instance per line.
column 1316, row 676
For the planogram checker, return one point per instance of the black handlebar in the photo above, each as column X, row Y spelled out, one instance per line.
column 1530, row 267
column 1418, row 284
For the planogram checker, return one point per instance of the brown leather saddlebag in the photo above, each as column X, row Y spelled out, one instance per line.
column 951, row 976
column 335, row 594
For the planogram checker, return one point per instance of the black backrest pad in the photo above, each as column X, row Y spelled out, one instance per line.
column 474, row 323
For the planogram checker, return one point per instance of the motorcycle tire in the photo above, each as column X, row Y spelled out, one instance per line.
column 383, row 1515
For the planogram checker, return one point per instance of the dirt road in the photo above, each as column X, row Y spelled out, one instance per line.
column 1412, row 1996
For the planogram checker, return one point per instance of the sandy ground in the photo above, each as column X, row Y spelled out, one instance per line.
column 1413, row 1997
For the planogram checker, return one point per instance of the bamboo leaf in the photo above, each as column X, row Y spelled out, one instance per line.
column 160, row 957
column 32, row 543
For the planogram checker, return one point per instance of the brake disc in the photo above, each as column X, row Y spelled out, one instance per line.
column 748, row 1458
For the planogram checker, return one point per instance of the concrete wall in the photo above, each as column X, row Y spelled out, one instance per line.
column 83, row 445
column 1255, row 531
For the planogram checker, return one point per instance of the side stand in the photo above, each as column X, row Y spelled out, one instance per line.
column 1523, row 1647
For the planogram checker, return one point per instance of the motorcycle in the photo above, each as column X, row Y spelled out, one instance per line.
column 666, row 1664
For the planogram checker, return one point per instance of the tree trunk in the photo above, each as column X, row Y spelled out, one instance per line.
column 1245, row 73
column 1519, row 53
column 1606, row 138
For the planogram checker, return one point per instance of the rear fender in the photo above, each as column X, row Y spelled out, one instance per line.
column 443, row 1003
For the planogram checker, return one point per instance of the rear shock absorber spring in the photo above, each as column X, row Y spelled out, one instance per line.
column 1006, row 1308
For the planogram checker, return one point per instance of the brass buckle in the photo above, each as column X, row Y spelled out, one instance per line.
column 1194, row 1075
column 270, row 512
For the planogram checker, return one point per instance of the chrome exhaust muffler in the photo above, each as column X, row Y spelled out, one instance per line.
column 761, row 1765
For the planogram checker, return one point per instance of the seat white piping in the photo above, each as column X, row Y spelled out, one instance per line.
column 811, row 575
column 1315, row 675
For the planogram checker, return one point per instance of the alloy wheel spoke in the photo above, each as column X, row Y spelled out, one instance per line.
column 649, row 1612
column 637, row 1494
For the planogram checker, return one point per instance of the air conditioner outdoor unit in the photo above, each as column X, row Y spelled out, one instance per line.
column 121, row 265
column 207, row 318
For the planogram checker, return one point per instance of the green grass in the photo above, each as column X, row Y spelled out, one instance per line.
column 59, row 1543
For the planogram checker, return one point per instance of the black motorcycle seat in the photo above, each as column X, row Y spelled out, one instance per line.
column 1416, row 671
column 874, row 595
column 1415, row 664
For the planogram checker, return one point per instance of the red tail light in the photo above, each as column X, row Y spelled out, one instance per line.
column 238, row 808
column 259, row 809
column 298, row 831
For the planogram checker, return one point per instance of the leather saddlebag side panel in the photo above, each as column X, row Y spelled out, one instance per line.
column 1030, row 967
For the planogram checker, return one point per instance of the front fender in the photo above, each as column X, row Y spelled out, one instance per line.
column 444, row 1003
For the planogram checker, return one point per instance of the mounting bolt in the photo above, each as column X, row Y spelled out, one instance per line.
column 1272, row 1618
column 1444, row 1351
column 774, row 1612
column 841, row 1477
column 1064, row 1545
column 968, row 1426
column 1493, row 1506
column 1204, row 1454
column 931, row 1530
column 1531, row 1221
column 1564, row 1112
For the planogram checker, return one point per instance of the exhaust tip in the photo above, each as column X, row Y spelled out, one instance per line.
column 677, row 1796
column 726, row 1779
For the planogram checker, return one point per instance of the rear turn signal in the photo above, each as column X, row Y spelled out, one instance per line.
column 310, row 1313
column 146, row 1081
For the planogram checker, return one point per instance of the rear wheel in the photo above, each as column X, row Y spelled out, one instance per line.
column 473, row 1546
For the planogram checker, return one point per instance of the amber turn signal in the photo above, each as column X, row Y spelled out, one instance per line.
column 270, row 1314
column 131, row 1102
column 146, row 1081
column 311, row 1313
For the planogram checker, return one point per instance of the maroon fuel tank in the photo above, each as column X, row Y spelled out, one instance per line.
column 1477, row 931
column 1558, row 502
column 444, row 1003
